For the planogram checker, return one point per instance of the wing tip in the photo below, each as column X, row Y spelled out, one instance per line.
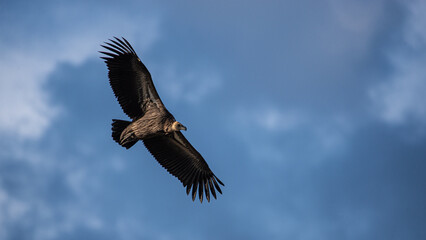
column 118, row 46
column 203, row 188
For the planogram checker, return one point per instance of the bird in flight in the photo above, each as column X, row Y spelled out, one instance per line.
column 152, row 123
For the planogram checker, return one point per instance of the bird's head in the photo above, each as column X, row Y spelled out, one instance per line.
column 177, row 126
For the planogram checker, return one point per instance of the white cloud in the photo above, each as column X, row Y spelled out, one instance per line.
column 275, row 134
column 402, row 97
column 270, row 118
column 191, row 87
column 26, row 111
column 258, row 125
column 11, row 209
column 29, row 204
column 415, row 31
column 25, row 107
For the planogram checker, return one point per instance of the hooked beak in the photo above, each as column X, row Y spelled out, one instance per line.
column 183, row 128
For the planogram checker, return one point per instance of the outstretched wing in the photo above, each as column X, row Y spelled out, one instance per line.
column 181, row 159
column 129, row 78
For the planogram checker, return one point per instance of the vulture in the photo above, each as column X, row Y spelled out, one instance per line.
column 152, row 123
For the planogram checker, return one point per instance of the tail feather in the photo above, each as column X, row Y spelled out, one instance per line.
column 118, row 127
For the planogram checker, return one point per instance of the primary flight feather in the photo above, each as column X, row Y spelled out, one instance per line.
column 152, row 123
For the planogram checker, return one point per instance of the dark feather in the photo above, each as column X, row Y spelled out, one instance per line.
column 200, row 190
column 129, row 78
column 118, row 51
column 183, row 162
column 132, row 85
column 122, row 44
column 188, row 189
column 117, row 46
column 206, row 189
column 194, row 191
column 109, row 54
column 130, row 46
column 212, row 189
column 216, row 185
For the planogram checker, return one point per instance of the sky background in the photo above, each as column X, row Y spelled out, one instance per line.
column 313, row 114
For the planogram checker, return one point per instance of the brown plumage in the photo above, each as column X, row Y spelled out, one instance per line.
column 152, row 123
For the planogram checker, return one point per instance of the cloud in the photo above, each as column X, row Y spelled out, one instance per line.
column 291, row 170
column 45, row 190
column 45, row 198
column 401, row 97
column 48, row 194
column 269, row 118
column 275, row 133
column 26, row 107
column 258, row 127
column 347, row 13
column 272, row 119
column 190, row 86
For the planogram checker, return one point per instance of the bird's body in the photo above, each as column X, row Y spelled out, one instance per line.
column 152, row 122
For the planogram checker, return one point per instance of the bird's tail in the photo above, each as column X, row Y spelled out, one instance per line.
column 118, row 127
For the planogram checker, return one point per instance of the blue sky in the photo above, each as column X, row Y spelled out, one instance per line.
column 311, row 112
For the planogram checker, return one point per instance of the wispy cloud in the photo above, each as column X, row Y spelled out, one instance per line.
column 25, row 107
column 257, row 126
column 192, row 86
column 273, row 133
column 46, row 198
column 31, row 173
column 402, row 96
column 274, row 120
column 297, row 169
